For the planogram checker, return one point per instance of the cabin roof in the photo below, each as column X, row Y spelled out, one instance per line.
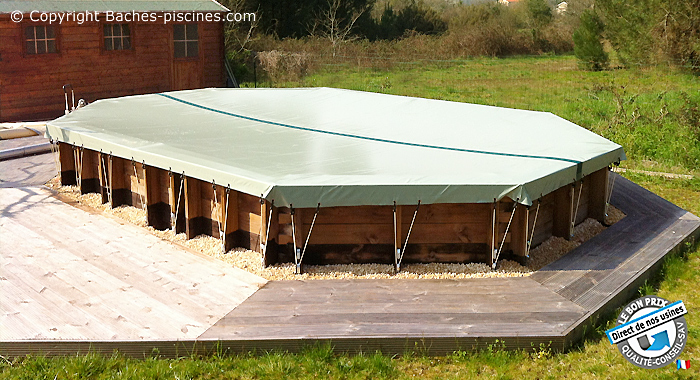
column 27, row 6
column 339, row 147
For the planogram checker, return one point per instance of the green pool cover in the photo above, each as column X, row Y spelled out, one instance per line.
column 305, row 146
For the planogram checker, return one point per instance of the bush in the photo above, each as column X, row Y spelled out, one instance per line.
column 415, row 17
column 487, row 29
column 588, row 45
column 284, row 67
column 241, row 63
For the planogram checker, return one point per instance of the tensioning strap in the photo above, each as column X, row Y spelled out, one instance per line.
column 371, row 138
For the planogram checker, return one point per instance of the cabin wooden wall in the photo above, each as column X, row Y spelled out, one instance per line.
column 31, row 85
column 441, row 232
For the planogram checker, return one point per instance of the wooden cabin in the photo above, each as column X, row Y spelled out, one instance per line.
column 324, row 176
column 103, row 55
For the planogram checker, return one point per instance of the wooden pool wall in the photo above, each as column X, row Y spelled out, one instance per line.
column 358, row 234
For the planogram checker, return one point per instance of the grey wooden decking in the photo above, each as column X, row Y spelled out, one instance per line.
column 552, row 306
column 66, row 274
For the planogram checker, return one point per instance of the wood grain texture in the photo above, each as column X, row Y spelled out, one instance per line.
column 97, row 278
column 558, row 300
column 32, row 84
column 383, row 308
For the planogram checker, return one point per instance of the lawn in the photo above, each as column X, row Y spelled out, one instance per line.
column 652, row 112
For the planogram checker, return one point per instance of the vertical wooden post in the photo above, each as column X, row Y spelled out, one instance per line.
column 563, row 211
column 597, row 194
column 298, row 234
column 157, row 198
column 572, row 207
column 78, row 158
column 272, row 238
column 493, row 230
column 284, row 234
column 519, row 229
column 300, row 220
column 397, row 238
column 150, row 194
column 135, row 185
column 121, row 194
column 102, row 169
column 67, row 161
column 231, row 238
column 263, row 223
column 176, row 193
column 193, row 207
column 89, row 175
column 218, row 207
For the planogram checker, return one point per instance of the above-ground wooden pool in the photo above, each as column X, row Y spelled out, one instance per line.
column 319, row 175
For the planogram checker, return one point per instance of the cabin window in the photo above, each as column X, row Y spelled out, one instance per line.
column 117, row 37
column 40, row 39
column 185, row 40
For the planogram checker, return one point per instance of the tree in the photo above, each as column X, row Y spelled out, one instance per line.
column 238, row 35
column 679, row 33
column 653, row 31
column 588, row 45
column 293, row 18
column 415, row 16
column 540, row 12
column 628, row 26
column 540, row 15
column 335, row 23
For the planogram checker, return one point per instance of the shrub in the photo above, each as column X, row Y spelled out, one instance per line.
column 588, row 45
column 415, row 17
column 284, row 67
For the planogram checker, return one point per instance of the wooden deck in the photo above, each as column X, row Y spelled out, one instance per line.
column 66, row 274
column 553, row 306
column 26, row 171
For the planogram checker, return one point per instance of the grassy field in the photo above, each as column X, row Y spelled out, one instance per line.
column 652, row 112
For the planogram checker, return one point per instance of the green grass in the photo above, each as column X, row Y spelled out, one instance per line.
column 653, row 139
column 653, row 112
